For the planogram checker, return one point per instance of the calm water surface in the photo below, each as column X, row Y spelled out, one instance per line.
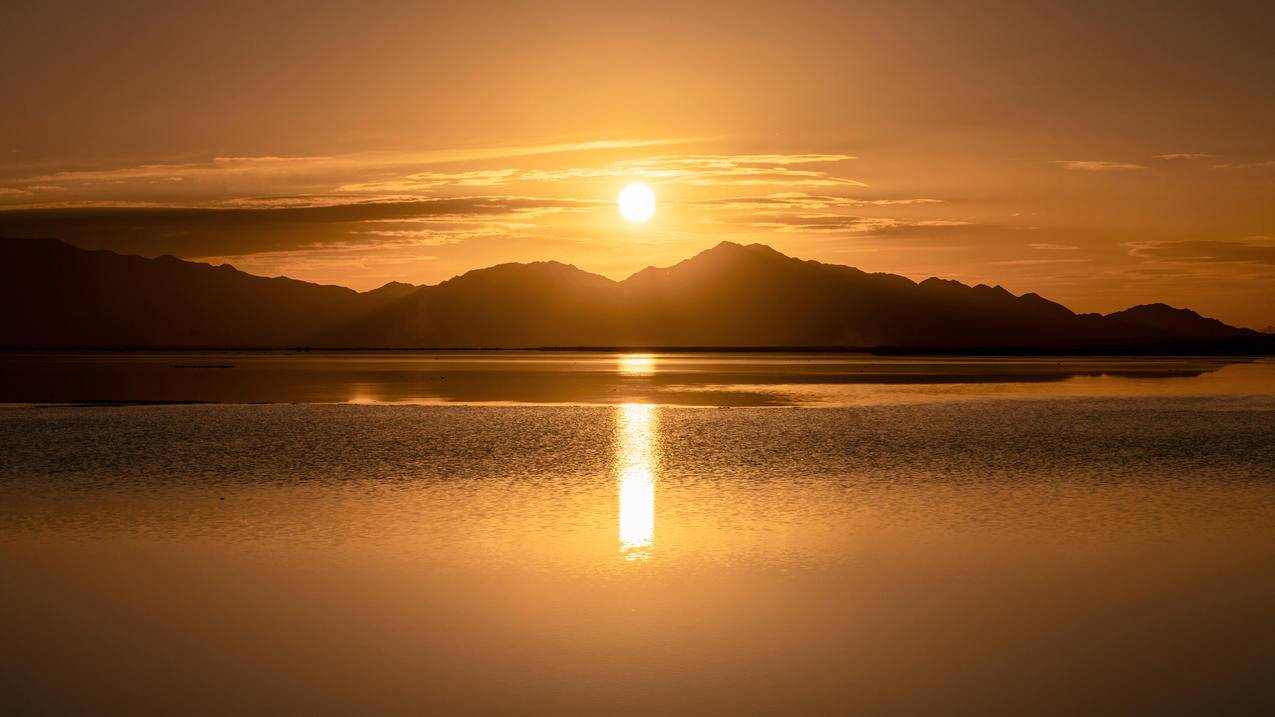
column 636, row 534
column 529, row 377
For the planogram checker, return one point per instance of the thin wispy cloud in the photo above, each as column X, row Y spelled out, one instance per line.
column 1036, row 262
column 1184, row 156
column 790, row 223
column 422, row 237
column 1246, row 165
column 1095, row 165
column 374, row 262
column 696, row 170
column 277, row 168
column 239, row 231
column 1255, row 250
column 799, row 201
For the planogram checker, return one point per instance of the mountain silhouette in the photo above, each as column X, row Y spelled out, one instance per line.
column 58, row 296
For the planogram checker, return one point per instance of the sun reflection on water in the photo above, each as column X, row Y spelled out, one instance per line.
column 636, row 476
column 636, row 364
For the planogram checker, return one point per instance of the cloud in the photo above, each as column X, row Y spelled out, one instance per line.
column 1246, row 165
column 193, row 232
column 1095, row 165
column 368, row 263
column 821, row 214
column 837, row 223
column 798, row 201
column 1256, row 250
column 1044, row 246
column 445, row 230
column 299, row 168
column 13, row 192
column 700, row 170
column 302, row 201
column 424, row 237
column 1184, row 156
column 307, row 214
column 743, row 170
column 1035, row 262
column 727, row 161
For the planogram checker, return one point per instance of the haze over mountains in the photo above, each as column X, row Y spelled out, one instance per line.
column 59, row 296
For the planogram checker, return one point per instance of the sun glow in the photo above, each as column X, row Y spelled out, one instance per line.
column 637, row 203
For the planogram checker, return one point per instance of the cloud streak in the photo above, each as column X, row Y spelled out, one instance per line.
column 1258, row 250
column 838, row 223
column 277, row 168
column 799, row 201
column 1097, row 165
column 202, row 231
column 790, row 170
column 1246, row 165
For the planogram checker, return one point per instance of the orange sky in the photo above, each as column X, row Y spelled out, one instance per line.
column 1102, row 157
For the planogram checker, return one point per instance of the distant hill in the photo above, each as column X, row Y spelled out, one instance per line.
column 56, row 295
column 729, row 296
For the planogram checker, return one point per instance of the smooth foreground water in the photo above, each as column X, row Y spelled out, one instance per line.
column 595, row 534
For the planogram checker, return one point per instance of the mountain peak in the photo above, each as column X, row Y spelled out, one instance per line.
column 535, row 272
column 1169, row 319
column 733, row 252
column 391, row 290
column 735, row 248
column 719, row 261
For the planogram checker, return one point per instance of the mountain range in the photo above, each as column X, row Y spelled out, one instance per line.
column 59, row 296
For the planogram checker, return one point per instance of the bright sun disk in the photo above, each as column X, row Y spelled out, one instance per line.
column 637, row 202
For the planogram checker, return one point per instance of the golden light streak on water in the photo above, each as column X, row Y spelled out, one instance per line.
column 636, row 364
column 636, row 475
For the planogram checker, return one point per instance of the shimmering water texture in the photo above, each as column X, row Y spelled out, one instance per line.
column 1044, row 537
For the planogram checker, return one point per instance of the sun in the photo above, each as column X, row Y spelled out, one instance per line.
column 637, row 202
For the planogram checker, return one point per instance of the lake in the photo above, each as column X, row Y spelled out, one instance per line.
column 587, row 533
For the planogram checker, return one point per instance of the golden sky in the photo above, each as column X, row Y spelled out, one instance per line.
column 1101, row 156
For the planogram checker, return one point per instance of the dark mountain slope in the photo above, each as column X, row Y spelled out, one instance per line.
column 1161, row 319
column 538, row 304
column 727, row 296
column 56, row 295
column 738, row 294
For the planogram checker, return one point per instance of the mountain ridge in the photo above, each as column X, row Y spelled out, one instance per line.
column 730, row 295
